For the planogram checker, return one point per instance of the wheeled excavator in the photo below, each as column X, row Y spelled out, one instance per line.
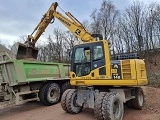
column 99, row 83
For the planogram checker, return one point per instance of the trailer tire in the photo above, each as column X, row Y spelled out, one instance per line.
column 71, row 102
column 64, row 99
column 111, row 107
column 65, row 86
column 138, row 101
column 50, row 94
column 41, row 94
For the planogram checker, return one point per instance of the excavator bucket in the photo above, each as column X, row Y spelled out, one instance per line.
column 22, row 51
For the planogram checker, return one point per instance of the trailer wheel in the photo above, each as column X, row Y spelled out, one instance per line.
column 138, row 101
column 50, row 94
column 71, row 102
column 41, row 94
column 65, row 86
column 111, row 107
column 64, row 99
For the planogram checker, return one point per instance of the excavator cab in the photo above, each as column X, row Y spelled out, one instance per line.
column 86, row 58
column 23, row 51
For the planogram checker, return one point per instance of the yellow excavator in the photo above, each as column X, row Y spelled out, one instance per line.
column 99, row 83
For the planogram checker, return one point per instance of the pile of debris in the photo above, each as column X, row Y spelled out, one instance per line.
column 4, row 50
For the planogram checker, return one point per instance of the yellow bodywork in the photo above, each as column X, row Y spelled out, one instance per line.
column 129, row 72
column 133, row 74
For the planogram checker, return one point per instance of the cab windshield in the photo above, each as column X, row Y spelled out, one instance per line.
column 82, row 55
column 87, row 57
column 82, row 61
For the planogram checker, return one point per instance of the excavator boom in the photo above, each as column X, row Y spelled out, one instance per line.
column 28, row 49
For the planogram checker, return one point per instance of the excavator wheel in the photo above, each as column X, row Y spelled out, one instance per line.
column 138, row 101
column 98, row 105
column 71, row 106
column 110, row 107
column 64, row 100
column 129, row 104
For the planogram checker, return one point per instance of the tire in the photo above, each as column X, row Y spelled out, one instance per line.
column 64, row 99
column 65, row 86
column 71, row 106
column 49, row 94
column 138, row 101
column 129, row 104
column 98, row 105
column 110, row 107
column 41, row 94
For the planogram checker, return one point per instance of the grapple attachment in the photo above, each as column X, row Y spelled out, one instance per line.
column 23, row 51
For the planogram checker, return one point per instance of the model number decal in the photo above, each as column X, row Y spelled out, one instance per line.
column 116, row 70
column 116, row 77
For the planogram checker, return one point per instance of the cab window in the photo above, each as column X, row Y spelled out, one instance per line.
column 98, row 52
column 82, row 55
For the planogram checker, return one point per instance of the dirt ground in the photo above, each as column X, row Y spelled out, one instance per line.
column 36, row 111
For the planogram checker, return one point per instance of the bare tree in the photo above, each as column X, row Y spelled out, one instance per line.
column 134, row 18
column 155, row 24
column 105, row 22
column 53, row 51
column 95, row 25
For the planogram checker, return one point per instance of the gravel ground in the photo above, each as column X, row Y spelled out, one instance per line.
column 36, row 111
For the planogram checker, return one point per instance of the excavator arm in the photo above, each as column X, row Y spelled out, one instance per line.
column 28, row 50
column 40, row 28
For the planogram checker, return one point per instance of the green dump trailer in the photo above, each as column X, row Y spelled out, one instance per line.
column 28, row 80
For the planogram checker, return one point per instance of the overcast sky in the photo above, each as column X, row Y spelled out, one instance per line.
column 20, row 17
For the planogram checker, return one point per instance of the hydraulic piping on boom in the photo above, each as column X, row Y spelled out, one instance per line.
column 28, row 49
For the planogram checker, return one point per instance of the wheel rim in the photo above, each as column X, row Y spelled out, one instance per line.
column 74, row 105
column 74, row 101
column 53, row 94
column 140, row 98
column 116, row 109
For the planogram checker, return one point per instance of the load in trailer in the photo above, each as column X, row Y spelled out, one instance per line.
column 25, row 80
